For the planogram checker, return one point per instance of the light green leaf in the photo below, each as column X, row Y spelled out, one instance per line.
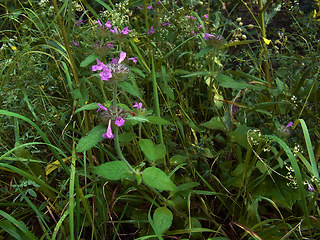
column 162, row 219
column 115, row 170
column 156, row 178
column 91, row 140
column 152, row 152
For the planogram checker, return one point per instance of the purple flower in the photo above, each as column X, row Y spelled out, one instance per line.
column 109, row 133
column 125, row 31
column 290, row 124
column 101, row 108
column 149, row 7
column 108, row 24
column 165, row 24
column 134, row 59
column 98, row 67
column 78, row 23
column 138, row 105
column 151, row 30
column 310, row 188
column 207, row 35
column 200, row 26
column 114, row 30
column 122, row 57
column 105, row 74
column 119, row 121
column 98, row 21
column 206, row 16
column 75, row 43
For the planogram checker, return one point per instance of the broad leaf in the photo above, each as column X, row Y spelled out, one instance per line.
column 151, row 151
column 115, row 170
column 156, row 178
column 162, row 219
column 215, row 124
column 91, row 140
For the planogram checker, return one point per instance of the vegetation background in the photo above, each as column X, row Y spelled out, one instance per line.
column 221, row 119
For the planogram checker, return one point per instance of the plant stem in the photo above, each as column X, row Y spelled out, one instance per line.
column 156, row 98
column 116, row 134
column 265, row 62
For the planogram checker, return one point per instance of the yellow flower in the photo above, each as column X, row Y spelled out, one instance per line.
column 136, row 40
column 14, row 48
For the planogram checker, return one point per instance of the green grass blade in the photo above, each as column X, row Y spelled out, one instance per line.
column 18, row 224
column 297, row 172
column 309, row 147
column 41, row 133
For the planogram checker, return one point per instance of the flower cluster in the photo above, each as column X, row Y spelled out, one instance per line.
column 213, row 40
column 108, row 27
column 117, row 116
column 115, row 69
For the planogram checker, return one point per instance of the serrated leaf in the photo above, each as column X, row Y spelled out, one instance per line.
column 90, row 59
column 91, row 140
column 158, row 120
column 151, row 151
column 115, row 170
column 156, row 178
column 162, row 219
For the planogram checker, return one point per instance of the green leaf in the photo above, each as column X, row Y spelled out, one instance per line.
column 90, row 106
column 215, row 124
column 158, row 120
column 127, row 137
column 151, row 151
column 135, row 119
column 129, row 88
column 115, row 170
column 239, row 135
column 91, row 140
column 197, row 74
column 203, row 51
column 240, row 85
column 162, row 219
column 90, row 59
column 156, row 178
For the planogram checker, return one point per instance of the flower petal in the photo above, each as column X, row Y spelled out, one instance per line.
column 122, row 57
